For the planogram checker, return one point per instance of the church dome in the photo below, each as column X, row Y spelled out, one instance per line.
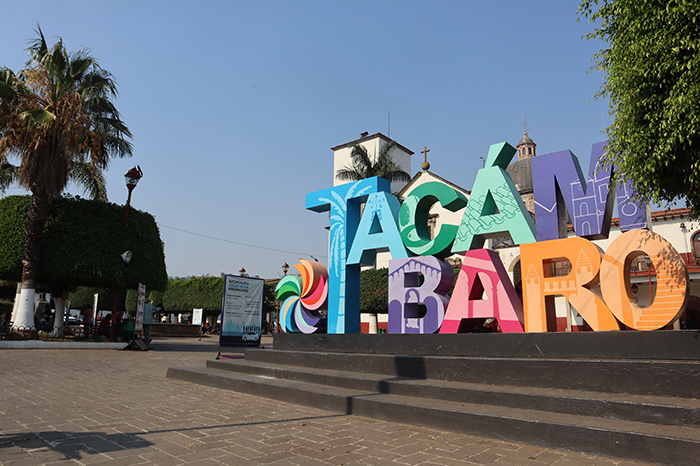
column 526, row 139
column 521, row 174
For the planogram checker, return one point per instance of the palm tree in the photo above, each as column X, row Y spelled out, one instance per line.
column 57, row 117
column 8, row 174
column 363, row 166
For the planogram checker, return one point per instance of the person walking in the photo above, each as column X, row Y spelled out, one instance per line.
column 148, row 311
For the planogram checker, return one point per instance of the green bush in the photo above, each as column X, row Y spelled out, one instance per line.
column 183, row 295
column 374, row 291
column 82, row 244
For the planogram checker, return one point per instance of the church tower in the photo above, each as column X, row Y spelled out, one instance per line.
column 374, row 143
column 526, row 147
column 520, row 171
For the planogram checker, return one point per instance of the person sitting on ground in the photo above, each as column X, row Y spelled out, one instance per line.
column 45, row 322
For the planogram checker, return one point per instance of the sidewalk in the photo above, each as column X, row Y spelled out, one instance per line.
column 114, row 408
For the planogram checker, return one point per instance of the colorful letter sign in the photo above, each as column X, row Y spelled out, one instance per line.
column 406, row 296
column 671, row 280
column 494, row 206
column 344, row 280
column 558, row 182
column 303, row 297
column 377, row 231
column 413, row 219
column 483, row 289
column 483, row 274
column 541, row 285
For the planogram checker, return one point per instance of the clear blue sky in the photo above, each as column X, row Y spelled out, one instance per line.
column 235, row 105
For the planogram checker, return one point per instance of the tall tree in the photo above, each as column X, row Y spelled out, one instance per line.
column 365, row 166
column 57, row 117
column 652, row 81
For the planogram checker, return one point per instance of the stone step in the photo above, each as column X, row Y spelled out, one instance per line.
column 633, row 377
column 639, row 441
column 639, row 408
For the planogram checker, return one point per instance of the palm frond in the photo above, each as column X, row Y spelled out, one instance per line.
column 39, row 117
column 8, row 84
column 363, row 166
column 8, row 175
column 91, row 179
column 37, row 48
column 78, row 67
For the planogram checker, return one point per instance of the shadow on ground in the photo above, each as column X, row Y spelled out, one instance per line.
column 195, row 345
column 72, row 445
column 34, row 447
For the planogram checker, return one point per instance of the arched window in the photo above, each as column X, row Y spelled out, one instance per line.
column 529, row 150
column 696, row 247
column 583, row 209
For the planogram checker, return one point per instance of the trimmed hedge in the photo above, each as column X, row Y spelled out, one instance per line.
column 82, row 243
column 207, row 293
column 374, row 290
column 194, row 293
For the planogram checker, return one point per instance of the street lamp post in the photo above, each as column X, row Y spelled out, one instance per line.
column 285, row 269
column 131, row 178
column 241, row 272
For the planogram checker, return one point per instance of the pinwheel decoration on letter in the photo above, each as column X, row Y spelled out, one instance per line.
column 303, row 298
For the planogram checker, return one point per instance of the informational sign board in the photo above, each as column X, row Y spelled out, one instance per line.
column 241, row 315
column 197, row 316
column 139, row 307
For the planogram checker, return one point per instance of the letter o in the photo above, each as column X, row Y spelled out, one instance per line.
column 671, row 280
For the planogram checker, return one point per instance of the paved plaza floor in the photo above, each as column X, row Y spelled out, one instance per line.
column 108, row 407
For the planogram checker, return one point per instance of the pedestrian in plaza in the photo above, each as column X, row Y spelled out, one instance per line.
column 148, row 311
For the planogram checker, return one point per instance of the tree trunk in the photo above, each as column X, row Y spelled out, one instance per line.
column 18, row 294
column 36, row 219
column 58, row 327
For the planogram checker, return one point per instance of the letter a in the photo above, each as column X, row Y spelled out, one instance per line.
column 494, row 206
column 483, row 271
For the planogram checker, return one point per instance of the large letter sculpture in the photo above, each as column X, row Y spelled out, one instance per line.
column 303, row 298
column 494, row 205
column 344, row 204
column 540, row 287
column 558, row 182
column 483, row 273
column 413, row 219
column 671, row 280
column 406, row 295
column 377, row 231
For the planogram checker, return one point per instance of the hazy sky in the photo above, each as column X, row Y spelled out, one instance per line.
column 234, row 105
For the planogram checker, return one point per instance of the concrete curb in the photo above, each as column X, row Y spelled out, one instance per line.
column 40, row 344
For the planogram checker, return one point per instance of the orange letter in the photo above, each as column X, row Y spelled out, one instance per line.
column 540, row 286
column 671, row 280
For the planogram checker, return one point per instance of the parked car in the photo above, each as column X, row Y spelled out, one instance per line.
column 251, row 336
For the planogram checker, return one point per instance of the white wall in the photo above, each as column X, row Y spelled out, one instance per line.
column 342, row 159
